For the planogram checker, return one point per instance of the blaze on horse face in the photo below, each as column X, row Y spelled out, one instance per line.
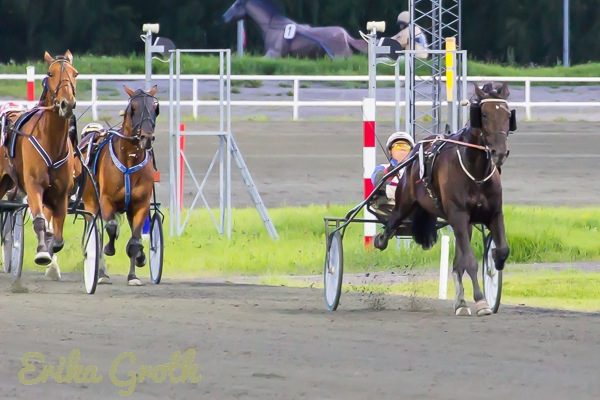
column 141, row 116
column 61, row 83
column 495, row 120
column 236, row 12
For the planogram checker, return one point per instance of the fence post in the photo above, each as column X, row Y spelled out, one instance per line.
column 528, row 99
column 444, row 255
column 296, row 95
column 195, row 97
column 30, row 83
column 94, row 99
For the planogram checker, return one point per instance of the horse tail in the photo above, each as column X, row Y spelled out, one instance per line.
column 357, row 44
column 424, row 228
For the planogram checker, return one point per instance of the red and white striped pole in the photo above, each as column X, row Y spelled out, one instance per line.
column 181, row 163
column 30, row 83
column 368, row 162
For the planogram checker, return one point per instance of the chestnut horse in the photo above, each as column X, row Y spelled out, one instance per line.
column 124, row 171
column 462, row 186
column 38, row 158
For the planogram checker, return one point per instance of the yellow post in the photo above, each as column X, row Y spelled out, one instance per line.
column 450, row 55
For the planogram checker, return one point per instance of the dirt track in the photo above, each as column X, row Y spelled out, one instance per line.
column 321, row 162
column 270, row 342
column 260, row 342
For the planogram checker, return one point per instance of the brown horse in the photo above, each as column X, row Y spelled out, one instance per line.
column 463, row 187
column 124, row 170
column 38, row 158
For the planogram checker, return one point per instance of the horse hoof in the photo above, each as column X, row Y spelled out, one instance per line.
column 109, row 250
column 42, row 258
column 379, row 242
column 482, row 308
column 134, row 282
column 463, row 312
column 57, row 246
column 140, row 261
column 53, row 272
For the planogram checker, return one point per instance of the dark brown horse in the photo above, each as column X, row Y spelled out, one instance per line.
column 124, row 170
column 38, row 158
column 463, row 187
column 284, row 37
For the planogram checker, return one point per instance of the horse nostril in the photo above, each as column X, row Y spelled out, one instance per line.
column 63, row 104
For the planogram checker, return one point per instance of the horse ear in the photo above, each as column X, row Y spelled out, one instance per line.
column 153, row 91
column 480, row 93
column 69, row 56
column 503, row 91
column 48, row 58
column 128, row 90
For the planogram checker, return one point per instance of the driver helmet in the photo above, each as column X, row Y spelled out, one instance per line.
column 396, row 136
column 403, row 19
column 92, row 127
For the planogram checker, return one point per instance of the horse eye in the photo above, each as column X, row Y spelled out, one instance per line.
column 484, row 115
column 50, row 74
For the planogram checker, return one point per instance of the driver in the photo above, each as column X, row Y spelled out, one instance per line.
column 399, row 145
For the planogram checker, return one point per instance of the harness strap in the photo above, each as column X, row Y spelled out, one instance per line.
column 479, row 182
column 475, row 146
column 44, row 154
column 126, row 171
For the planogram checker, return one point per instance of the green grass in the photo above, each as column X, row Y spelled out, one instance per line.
column 355, row 65
column 535, row 234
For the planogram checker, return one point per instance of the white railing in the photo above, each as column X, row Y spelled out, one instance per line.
column 295, row 103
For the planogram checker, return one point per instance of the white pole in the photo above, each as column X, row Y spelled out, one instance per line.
column 444, row 256
column 566, row 58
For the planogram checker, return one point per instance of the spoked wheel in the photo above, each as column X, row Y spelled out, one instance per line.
column 492, row 278
column 91, row 255
column 7, row 233
column 156, row 248
column 333, row 271
column 18, row 244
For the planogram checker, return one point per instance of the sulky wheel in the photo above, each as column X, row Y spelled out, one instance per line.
column 156, row 248
column 91, row 255
column 492, row 278
column 333, row 271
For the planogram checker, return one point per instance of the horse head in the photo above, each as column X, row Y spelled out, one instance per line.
column 60, row 84
column 140, row 116
column 491, row 115
column 236, row 12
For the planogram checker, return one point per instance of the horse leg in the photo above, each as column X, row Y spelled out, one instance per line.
column 34, row 199
column 52, row 269
column 481, row 305
column 135, row 248
column 399, row 213
column 111, row 225
column 501, row 252
column 463, row 256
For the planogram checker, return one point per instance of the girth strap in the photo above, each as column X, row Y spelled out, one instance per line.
column 126, row 171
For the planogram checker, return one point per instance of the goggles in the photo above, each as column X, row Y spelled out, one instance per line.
column 401, row 146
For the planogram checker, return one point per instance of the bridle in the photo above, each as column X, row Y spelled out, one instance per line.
column 146, row 115
column 66, row 81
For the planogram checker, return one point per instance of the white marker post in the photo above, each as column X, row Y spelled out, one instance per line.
column 444, row 256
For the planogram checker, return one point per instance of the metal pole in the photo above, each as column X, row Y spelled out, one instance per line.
column 240, row 38
column 566, row 58
column 172, row 176
column 372, row 64
column 148, row 59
